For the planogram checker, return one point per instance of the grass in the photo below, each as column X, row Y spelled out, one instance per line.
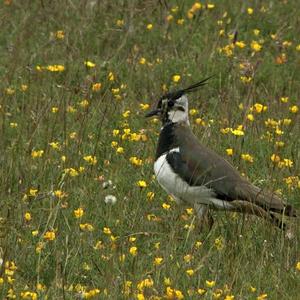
column 61, row 156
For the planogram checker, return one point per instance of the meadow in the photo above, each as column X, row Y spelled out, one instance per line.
column 81, row 214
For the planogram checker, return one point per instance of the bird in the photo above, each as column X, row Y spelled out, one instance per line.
column 193, row 174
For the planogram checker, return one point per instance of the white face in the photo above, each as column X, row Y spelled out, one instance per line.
column 180, row 111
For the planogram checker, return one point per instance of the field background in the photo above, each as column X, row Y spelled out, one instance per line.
column 76, row 78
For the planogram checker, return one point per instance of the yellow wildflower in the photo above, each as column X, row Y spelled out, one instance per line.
column 92, row 160
column 89, row 64
column 176, row 78
column 190, row 272
column 210, row 284
column 166, row 206
column 86, row 227
column 262, row 297
column 27, row 216
column 133, row 251
column 298, row 266
column 49, row 235
column 96, row 86
column 144, row 106
column 33, row 192
column 55, row 68
column 120, row 150
column 37, row 153
column 149, row 26
column 59, row 34
column 142, row 184
column 247, row 157
column 250, row 11
column 78, row 213
column 229, row 151
column 294, row 109
column 255, row 46
column 158, row 261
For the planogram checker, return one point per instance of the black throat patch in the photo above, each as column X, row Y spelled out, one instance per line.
column 166, row 140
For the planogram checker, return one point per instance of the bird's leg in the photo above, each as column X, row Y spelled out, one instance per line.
column 205, row 218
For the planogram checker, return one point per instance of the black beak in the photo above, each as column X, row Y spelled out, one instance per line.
column 152, row 113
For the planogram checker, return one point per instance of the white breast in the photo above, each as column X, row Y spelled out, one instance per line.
column 181, row 191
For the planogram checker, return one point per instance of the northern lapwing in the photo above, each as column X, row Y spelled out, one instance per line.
column 196, row 175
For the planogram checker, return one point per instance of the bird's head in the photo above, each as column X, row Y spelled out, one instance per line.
column 173, row 106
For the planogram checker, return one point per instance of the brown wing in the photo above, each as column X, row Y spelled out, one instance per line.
column 199, row 165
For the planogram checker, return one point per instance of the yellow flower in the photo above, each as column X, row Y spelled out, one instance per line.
column 111, row 76
column 158, row 261
column 86, row 227
column 210, row 6
column 229, row 297
column 13, row 125
column 55, row 145
column 96, row 86
column 49, row 235
column 24, row 87
column 229, row 151
column 240, row 44
column 166, row 206
column 262, row 297
column 255, row 46
column 142, row 184
column 180, row 21
column 120, row 23
column 89, row 64
column 193, row 111
column 34, row 232
column 78, row 213
column 246, row 79
column 190, row 272
column 59, row 194
column 120, row 150
column 106, row 230
column 250, row 11
column 144, row 106
column 258, row 107
column 173, row 294
column 59, row 34
column 149, row 26
column 237, row 132
column 33, row 192
column 250, row 117
column 126, row 114
column 187, row 258
column 201, row 291
column 298, row 266
column 210, row 284
column 219, row 243
column 284, row 99
column 55, row 68
column 256, row 32
column 133, row 251
column 140, row 296
column 294, row 109
column 150, row 196
column 247, row 157
column 176, row 78
column 275, row 158
column 84, row 103
column 169, row 18
column 196, row 6
column 135, row 161
column 37, row 153
column 29, row 295
column 142, row 60
column 27, row 216
column 92, row 160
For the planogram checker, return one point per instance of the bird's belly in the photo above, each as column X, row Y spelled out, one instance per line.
column 174, row 185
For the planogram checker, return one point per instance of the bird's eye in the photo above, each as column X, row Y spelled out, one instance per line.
column 171, row 103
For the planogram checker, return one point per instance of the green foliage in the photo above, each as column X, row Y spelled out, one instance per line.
column 76, row 78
